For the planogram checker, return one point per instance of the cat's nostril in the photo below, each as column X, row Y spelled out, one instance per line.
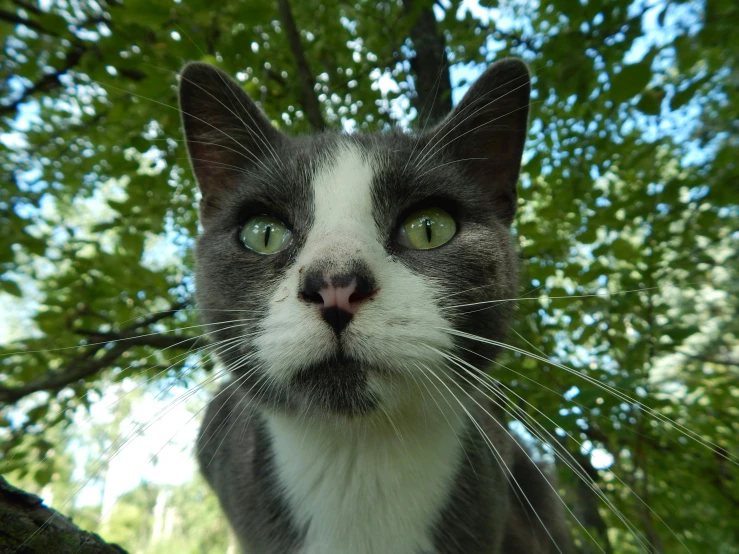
column 311, row 287
column 311, row 297
column 358, row 296
column 364, row 287
column 338, row 296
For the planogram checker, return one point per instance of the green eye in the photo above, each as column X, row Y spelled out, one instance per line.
column 427, row 228
column 265, row 235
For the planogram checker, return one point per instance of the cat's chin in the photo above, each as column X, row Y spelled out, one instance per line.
column 337, row 385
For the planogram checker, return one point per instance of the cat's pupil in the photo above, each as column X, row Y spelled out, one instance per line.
column 428, row 229
column 267, row 232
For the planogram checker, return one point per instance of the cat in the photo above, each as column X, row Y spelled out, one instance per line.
column 329, row 272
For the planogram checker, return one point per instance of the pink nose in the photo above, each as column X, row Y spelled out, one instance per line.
column 337, row 297
column 340, row 297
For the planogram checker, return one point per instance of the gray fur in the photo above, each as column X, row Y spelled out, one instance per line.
column 485, row 512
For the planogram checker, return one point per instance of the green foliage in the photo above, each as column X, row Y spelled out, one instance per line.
column 156, row 519
column 628, row 210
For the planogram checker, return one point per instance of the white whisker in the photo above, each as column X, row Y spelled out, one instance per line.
column 573, row 465
column 498, row 456
column 610, row 389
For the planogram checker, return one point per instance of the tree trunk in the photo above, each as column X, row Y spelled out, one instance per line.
column 27, row 526
column 433, row 95
column 308, row 99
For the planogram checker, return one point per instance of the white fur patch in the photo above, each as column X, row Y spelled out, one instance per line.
column 374, row 490
column 400, row 321
column 358, row 487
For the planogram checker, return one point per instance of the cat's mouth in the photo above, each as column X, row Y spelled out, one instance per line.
column 338, row 384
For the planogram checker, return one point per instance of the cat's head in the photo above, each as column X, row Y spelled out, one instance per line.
column 339, row 269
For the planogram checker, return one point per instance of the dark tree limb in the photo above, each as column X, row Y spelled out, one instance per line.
column 513, row 38
column 10, row 17
column 588, row 501
column 139, row 323
column 28, row 6
column 86, row 366
column 48, row 82
column 274, row 76
column 717, row 361
column 307, row 94
column 29, row 527
column 155, row 317
column 112, row 346
column 433, row 97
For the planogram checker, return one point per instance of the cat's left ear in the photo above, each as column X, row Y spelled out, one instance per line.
column 488, row 129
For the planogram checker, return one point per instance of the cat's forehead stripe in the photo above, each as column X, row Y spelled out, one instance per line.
column 342, row 192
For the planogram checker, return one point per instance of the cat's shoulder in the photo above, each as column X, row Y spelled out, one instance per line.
column 228, row 429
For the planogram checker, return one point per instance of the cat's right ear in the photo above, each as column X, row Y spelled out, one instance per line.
column 227, row 135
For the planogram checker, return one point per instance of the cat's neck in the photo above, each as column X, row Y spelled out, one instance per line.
column 384, row 428
column 353, row 484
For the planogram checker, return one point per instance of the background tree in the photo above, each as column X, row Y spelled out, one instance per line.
column 627, row 220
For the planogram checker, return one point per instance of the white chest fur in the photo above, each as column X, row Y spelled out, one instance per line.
column 376, row 490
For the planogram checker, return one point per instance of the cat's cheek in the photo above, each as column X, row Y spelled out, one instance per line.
column 402, row 325
column 288, row 338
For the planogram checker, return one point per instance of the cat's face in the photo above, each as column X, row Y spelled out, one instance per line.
column 335, row 265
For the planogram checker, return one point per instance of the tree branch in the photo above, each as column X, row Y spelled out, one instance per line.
column 17, row 20
column 47, row 82
column 587, row 505
column 154, row 318
column 29, row 527
column 28, row 7
column 84, row 367
column 114, row 345
column 275, row 76
column 433, row 97
column 717, row 361
column 307, row 93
